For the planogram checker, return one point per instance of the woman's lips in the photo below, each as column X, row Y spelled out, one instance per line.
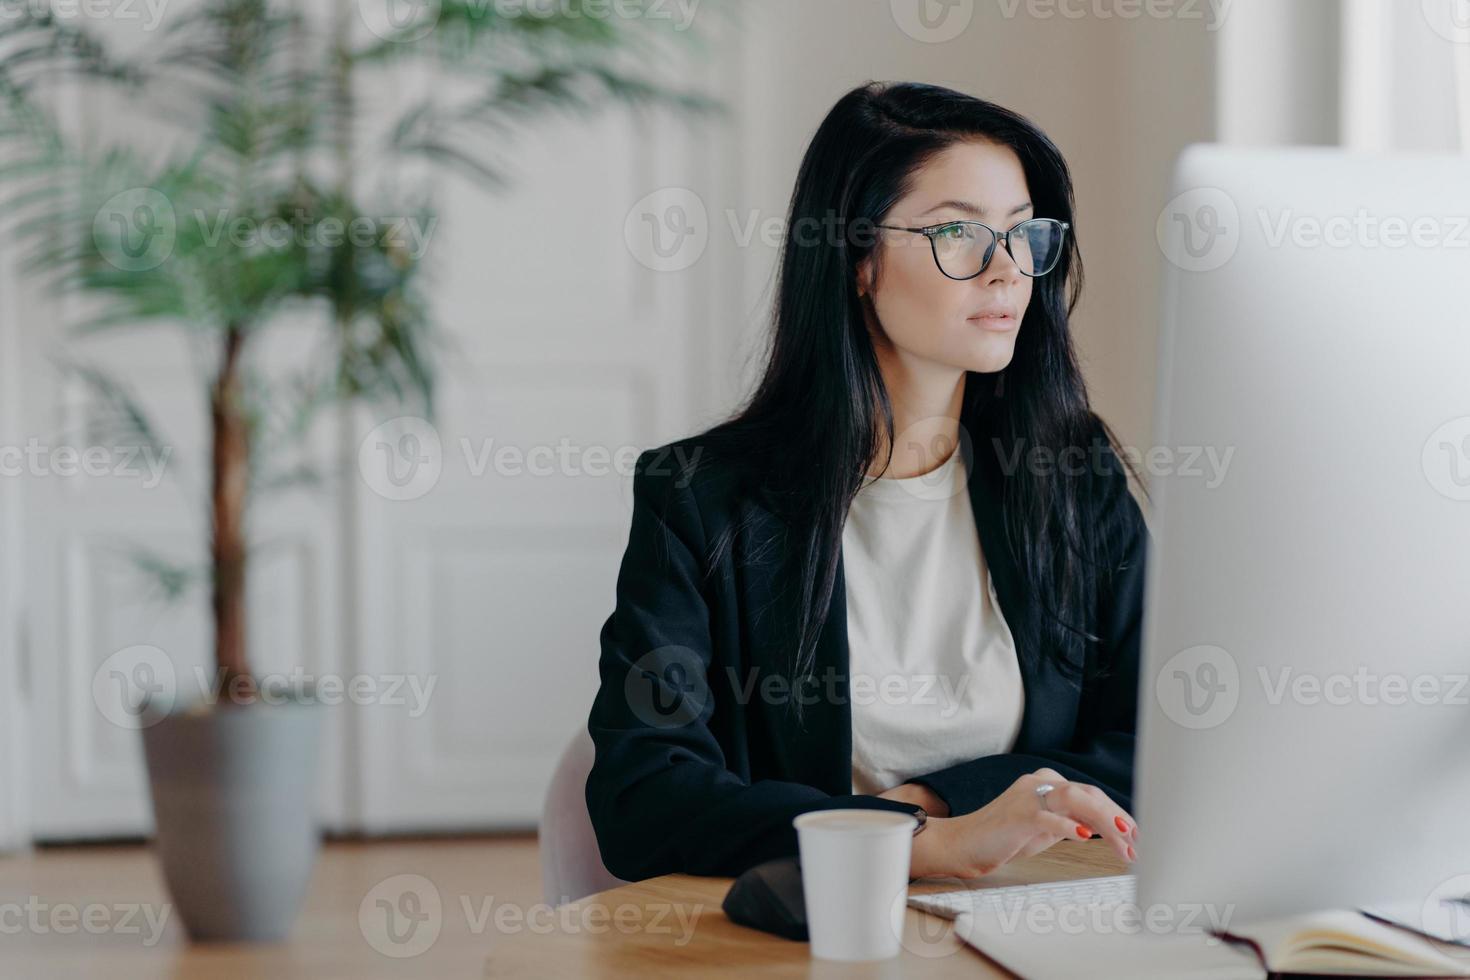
column 997, row 323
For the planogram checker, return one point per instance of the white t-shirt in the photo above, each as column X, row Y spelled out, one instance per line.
column 935, row 680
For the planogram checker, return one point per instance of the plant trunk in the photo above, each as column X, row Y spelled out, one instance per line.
column 229, row 486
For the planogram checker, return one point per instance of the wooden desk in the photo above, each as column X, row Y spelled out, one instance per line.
column 673, row 927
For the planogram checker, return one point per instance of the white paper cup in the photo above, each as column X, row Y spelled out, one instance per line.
column 855, row 877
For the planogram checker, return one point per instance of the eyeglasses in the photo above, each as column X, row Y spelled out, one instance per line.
column 963, row 249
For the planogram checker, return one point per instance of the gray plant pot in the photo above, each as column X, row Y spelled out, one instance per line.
column 234, row 798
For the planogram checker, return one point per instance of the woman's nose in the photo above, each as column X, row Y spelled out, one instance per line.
column 1002, row 267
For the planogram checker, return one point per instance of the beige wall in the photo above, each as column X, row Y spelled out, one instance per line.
column 1120, row 97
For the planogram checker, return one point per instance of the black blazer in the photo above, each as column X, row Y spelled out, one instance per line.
column 699, row 766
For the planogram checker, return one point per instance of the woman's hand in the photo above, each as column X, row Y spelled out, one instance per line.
column 1016, row 824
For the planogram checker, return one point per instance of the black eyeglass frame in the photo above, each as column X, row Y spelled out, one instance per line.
column 997, row 237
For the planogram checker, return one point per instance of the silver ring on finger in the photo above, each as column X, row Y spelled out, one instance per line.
column 1041, row 792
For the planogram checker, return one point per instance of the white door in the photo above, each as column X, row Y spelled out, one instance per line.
column 572, row 347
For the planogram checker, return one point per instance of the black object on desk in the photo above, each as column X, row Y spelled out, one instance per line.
column 769, row 897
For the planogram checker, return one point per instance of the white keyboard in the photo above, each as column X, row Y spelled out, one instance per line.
column 1104, row 892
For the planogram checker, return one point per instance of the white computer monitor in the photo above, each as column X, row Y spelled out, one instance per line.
column 1304, row 705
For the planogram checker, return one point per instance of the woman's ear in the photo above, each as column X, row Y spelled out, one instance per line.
column 865, row 277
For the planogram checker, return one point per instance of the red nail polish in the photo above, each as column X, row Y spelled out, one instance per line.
column 1131, row 855
column 1084, row 831
column 1121, row 824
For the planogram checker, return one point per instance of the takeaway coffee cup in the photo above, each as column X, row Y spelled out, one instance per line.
column 855, row 876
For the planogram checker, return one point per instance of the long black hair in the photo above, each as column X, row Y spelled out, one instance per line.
column 814, row 423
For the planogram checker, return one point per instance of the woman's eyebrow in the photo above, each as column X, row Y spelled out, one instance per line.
column 968, row 208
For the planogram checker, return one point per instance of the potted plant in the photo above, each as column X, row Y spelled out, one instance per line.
column 259, row 107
